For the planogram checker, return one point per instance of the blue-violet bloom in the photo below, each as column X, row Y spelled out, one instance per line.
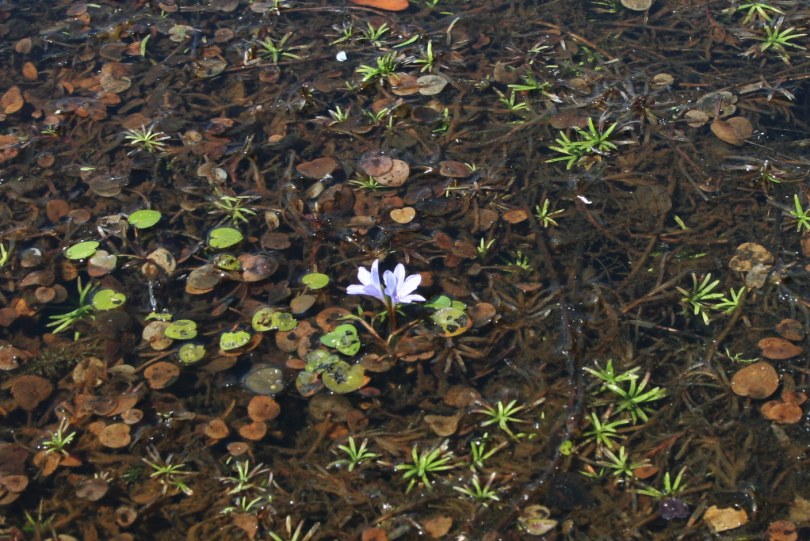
column 398, row 288
column 369, row 282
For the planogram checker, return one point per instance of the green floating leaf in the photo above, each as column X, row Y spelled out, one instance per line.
column 190, row 353
column 343, row 338
column 82, row 250
column 158, row 316
column 284, row 321
column 144, row 218
column 315, row 280
column 229, row 341
column 443, row 301
column 320, row 360
column 452, row 321
column 224, row 237
column 267, row 319
column 182, row 329
column 343, row 377
column 108, row 299
column 227, row 262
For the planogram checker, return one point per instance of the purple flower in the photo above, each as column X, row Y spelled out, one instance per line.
column 398, row 288
column 369, row 283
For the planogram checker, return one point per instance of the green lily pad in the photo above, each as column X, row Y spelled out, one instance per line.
column 158, row 316
column 452, row 321
column 108, row 299
column 443, row 301
column 224, row 237
column 267, row 319
column 82, row 250
column 315, row 280
column 320, row 360
column 284, row 321
column 144, row 218
column 229, row 341
column 343, row 377
column 227, row 262
column 190, row 353
column 343, row 338
column 182, row 329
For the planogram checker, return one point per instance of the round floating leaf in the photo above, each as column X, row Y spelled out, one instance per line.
column 320, row 360
column 144, row 218
column 262, row 319
column 344, row 378
column 224, row 237
column 182, row 329
column 229, row 341
column 264, row 379
column 315, row 280
column 343, row 338
column 267, row 319
column 108, row 299
column 284, row 321
column 82, row 250
column 452, row 321
column 227, row 262
column 307, row 383
column 190, row 353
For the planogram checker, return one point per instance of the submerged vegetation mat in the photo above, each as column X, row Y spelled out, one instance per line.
column 376, row 270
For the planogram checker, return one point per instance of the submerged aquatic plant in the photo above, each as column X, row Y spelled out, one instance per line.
column 145, row 139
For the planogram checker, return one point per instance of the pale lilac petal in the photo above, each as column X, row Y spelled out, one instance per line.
column 410, row 284
column 408, row 299
column 369, row 283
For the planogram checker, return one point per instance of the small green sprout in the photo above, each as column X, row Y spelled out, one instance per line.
column 630, row 394
column 277, row 50
column 545, row 215
column 248, row 479
column 620, row 464
column 801, row 215
column 728, row 305
column 609, row 377
column 58, row 439
column 590, row 142
column 233, row 207
column 5, row 254
column 354, row 455
column 603, row 432
column 297, row 534
column 480, row 493
column 346, row 31
column 635, row 399
column 386, row 65
column 424, row 463
column 428, row 60
column 144, row 138
column 670, row 489
column 367, row 183
column 60, row 322
column 699, row 299
column 511, row 102
column 374, row 34
column 377, row 117
column 484, row 246
column 520, row 263
column 170, row 476
column 479, row 452
column 505, row 415
column 777, row 39
column 338, row 115
column 738, row 357
column 758, row 10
